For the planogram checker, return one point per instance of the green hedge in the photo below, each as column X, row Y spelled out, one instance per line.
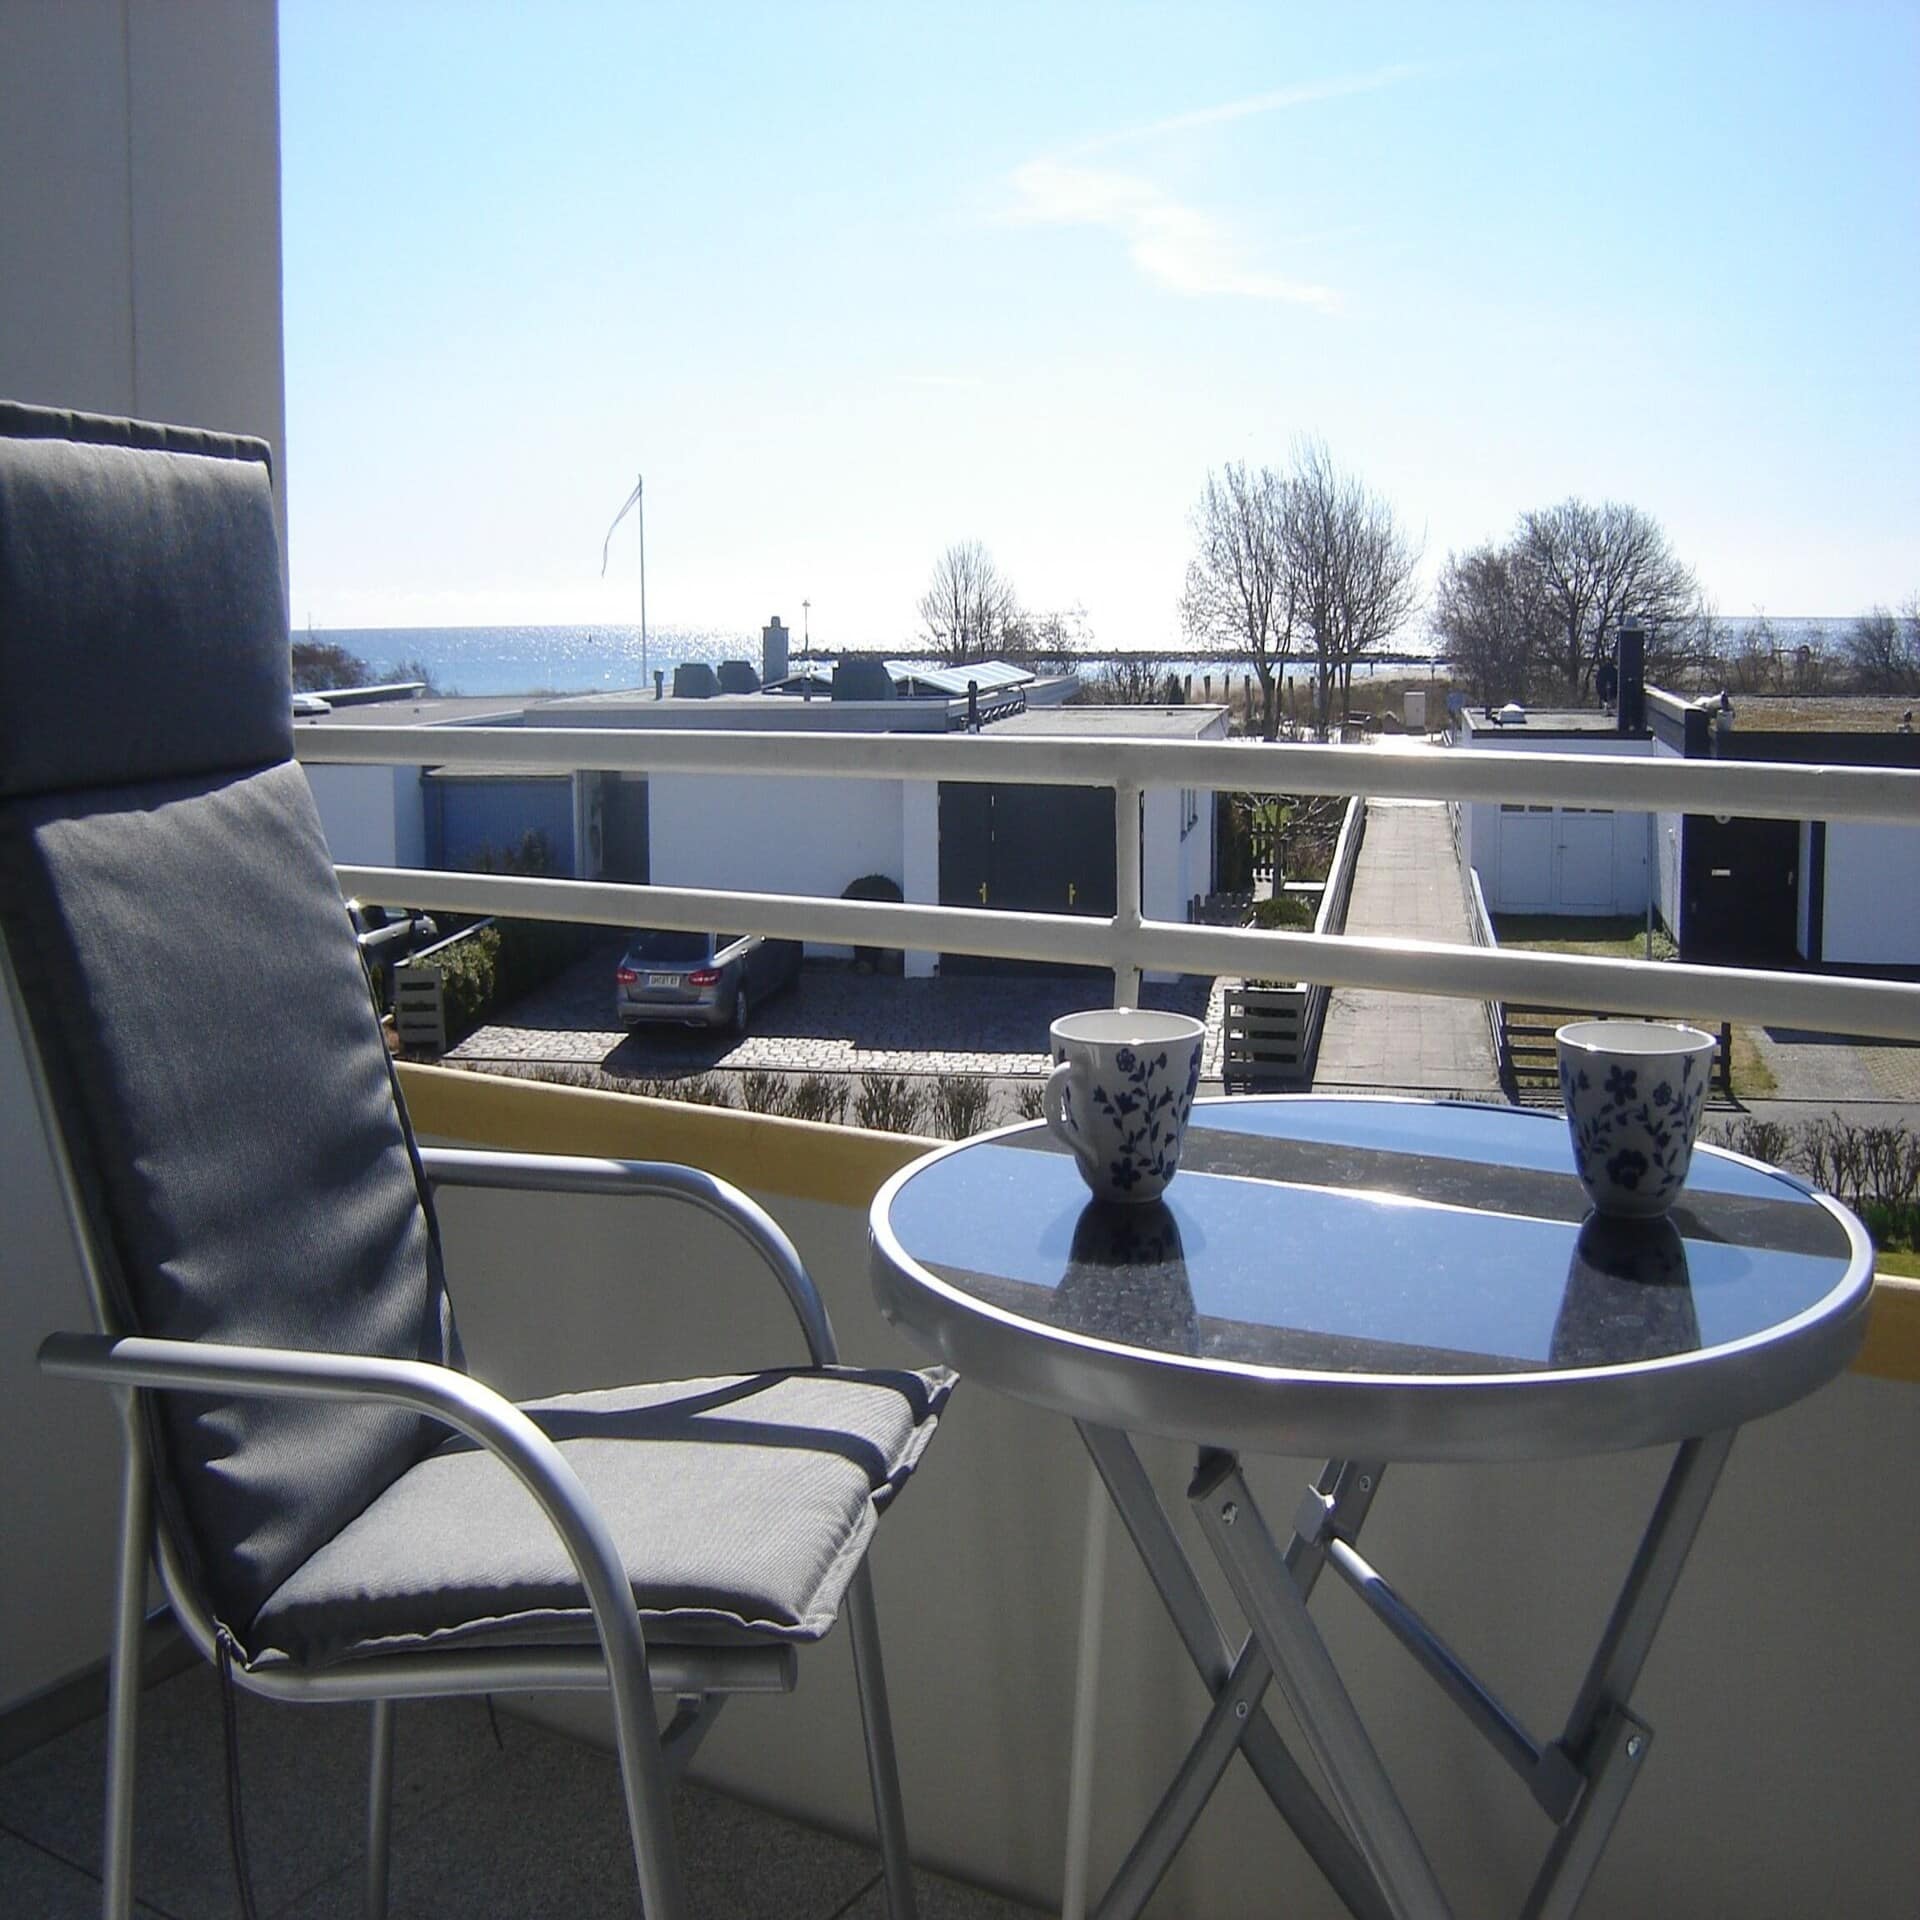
column 495, row 964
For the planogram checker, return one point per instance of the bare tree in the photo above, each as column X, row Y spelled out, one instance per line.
column 968, row 609
column 1483, row 622
column 1239, row 597
column 1883, row 650
column 1126, row 680
column 1352, row 570
column 1592, row 568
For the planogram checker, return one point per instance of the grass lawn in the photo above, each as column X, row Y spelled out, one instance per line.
column 1623, row 938
column 1906, row 1265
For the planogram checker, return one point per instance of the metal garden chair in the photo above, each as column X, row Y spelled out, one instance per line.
column 258, row 1230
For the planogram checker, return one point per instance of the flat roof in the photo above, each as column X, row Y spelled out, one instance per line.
column 432, row 711
column 1567, row 720
column 1165, row 723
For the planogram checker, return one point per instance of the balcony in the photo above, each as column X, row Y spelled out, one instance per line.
column 1784, row 1686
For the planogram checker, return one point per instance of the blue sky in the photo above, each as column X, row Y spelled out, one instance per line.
column 847, row 283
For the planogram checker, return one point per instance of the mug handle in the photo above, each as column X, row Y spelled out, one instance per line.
column 1053, row 1101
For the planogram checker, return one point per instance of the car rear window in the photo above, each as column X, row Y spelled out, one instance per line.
column 662, row 944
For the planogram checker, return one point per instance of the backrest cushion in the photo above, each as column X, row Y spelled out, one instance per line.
column 197, row 1000
column 142, row 628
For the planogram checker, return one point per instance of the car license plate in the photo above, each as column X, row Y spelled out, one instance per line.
column 663, row 980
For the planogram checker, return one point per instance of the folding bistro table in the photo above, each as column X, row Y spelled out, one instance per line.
column 1374, row 1280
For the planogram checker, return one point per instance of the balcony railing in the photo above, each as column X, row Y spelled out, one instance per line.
column 1127, row 942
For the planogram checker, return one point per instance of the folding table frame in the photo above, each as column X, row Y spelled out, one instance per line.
column 1364, row 1843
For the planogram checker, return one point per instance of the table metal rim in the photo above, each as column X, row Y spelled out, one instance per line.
column 1478, row 1416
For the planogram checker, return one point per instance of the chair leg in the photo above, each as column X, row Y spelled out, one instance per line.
column 123, row 1684
column 379, row 1810
column 889, row 1812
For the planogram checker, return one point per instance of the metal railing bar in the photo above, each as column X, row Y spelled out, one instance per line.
column 1637, row 783
column 1885, row 1008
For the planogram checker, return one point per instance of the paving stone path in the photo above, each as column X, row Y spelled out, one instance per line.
column 1407, row 885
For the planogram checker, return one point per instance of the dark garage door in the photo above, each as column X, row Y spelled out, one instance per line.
column 1028, row 850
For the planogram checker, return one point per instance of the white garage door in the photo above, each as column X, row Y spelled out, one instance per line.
column 1526, row 862
column 1585, row 860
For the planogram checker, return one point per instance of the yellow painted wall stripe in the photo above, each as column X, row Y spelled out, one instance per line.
column 1892, row 1348
column 844, row 1166
column 802, row 1159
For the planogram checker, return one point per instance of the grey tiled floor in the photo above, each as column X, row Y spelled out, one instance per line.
column 532, row 1827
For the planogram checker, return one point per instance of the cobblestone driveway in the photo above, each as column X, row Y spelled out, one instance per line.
column 833, row 1021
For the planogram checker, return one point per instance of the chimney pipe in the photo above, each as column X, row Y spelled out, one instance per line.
column 1630, row 656
column 773, row 651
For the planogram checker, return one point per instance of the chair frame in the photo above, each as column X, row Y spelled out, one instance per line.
column 699, row 1676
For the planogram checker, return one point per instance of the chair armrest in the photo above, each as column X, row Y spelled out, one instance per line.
column 444, row 1394
column 660, row 1179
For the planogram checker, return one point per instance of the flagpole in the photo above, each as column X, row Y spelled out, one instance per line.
column 634, row 503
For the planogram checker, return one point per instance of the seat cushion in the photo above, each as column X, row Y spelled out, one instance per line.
column 741, row 1505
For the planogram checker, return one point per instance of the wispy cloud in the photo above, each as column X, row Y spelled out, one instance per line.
column 1179, row 246
column 1308, row 93
column 1186, row 248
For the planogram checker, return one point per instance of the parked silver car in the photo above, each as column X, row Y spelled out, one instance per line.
column 700, row 979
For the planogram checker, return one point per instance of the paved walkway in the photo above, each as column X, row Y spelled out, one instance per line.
column 1407, row 885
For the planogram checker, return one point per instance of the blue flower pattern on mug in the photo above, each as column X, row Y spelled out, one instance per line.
column 1148, row 1115
column 1643, row 1144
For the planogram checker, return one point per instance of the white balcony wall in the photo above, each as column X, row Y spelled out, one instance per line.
column 60, row 1441
column 140, row 212
column 1871, row 902
column 372, row 816
column 920, row 860
column 1783, row 1689
column 766, row 834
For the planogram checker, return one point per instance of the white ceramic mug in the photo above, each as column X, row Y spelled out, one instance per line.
column 1119, row 1095
column 1634, row 1090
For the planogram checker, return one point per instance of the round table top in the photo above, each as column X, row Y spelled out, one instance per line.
column 1373, row 1279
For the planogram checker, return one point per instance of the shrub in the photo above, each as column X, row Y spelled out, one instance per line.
column 470, row 980
column 1027, row 1101
column 1770, row 1140
column 820, row 1096
column 763, row 1092
column 961, row 1104
column 888, row 1103
column 871, row 886
column 1285, row 913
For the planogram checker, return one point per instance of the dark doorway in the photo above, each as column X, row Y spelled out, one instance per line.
column 1029, row 850
column 625, row 845
column 1740, row 893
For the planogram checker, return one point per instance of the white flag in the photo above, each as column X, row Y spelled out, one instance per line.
column 633, row 500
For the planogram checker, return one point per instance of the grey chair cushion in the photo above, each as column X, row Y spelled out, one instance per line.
column 742, row 1506
column 224, row 1087
column 143, row 631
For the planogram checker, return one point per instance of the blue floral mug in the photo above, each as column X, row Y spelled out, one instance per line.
column 1633, row 1091
column 1119, row 1095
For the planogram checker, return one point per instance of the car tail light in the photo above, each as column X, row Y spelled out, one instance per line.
column 625, row 976
column 704, row 977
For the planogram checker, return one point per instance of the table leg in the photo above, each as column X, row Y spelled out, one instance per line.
column 1086, row 1700
column 1237, row 1721
column 1603, row 1739
column 1277, row 1611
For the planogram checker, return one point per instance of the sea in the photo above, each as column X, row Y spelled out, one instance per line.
column 592, row 659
